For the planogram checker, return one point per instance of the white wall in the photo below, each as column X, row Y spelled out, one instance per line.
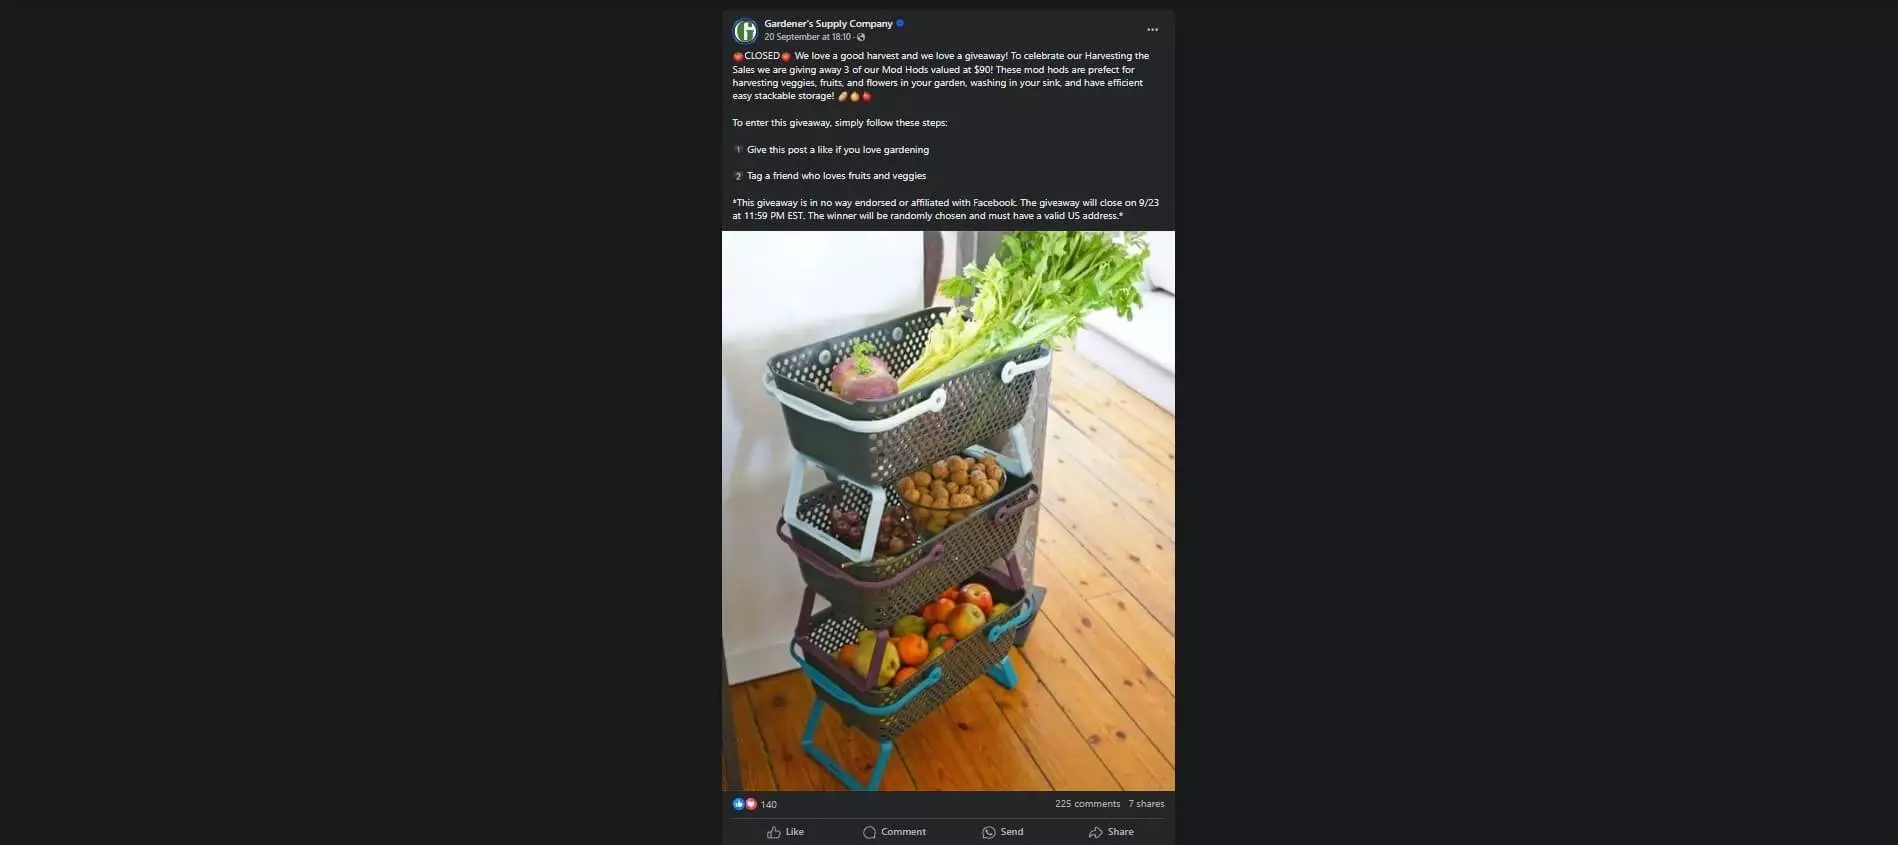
column 1159, row 265
column 783, row 290
column 949, row 268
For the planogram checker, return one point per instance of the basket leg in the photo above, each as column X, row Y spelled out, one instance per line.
column 809, row 741
column 795, row 492
column 1017, row 465
column 1021, row 634
column 1004, row 673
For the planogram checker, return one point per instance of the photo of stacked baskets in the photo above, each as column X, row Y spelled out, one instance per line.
column 866, row 450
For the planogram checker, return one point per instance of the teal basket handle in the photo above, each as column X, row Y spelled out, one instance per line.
column 837, row 692
column 1027, row 609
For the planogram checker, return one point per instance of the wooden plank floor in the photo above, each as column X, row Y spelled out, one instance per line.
column 1094, row 709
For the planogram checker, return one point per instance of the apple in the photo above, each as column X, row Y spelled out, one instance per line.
column 965, row 619
column 937, row 610
column 977, row 595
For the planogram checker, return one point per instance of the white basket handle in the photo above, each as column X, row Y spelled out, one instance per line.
column 1024, row 461
column 936, row 402
column 873, row 520
column 1011, row 369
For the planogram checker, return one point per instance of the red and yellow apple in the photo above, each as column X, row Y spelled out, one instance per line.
column 965, row 619
column 977, row 595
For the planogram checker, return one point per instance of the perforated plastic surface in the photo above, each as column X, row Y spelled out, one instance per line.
column 979, row 404
column 971, row 545
column 961, row 664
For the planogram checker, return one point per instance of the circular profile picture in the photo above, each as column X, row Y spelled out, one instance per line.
column 744, row 30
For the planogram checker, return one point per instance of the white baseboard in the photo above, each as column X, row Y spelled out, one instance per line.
column 759, row 662
column 1133, row 369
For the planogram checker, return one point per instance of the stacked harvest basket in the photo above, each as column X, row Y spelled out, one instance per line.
column 867, row 449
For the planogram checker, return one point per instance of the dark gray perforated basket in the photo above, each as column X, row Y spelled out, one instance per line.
column 977, row 403
column 877, row 593
column 962, row 663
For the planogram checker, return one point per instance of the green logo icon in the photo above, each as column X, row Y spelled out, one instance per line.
column 744, row 30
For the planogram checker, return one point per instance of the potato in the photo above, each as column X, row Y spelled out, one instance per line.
column 967, row 490
column 938, row 525
column 961, row 500
column 937, row 488
column 958, row 464
column 911, row 495
column 957, row 517
column 939, row 469
column 921, row 478
column 985, row 492
column 977, row 476
column 904, row 484
column 959, row 477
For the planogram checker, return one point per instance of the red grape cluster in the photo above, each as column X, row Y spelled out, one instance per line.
column 895, row 535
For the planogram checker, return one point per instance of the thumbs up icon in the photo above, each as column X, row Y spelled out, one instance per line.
column 773, row 833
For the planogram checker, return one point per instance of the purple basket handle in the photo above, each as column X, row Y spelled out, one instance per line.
column 816, row 560
column 1014, row 572
column 1026, row 501
column 804, row 615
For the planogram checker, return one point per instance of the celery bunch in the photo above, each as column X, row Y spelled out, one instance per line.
column 1038, row 288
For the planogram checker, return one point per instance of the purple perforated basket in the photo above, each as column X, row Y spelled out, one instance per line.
column 879, row 592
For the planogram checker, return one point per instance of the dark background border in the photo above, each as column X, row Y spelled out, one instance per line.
column 1515, row 476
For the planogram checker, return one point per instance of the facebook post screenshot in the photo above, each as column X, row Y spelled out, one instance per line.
column 1536, row 466
column 948, row 342
column 1536, row 461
